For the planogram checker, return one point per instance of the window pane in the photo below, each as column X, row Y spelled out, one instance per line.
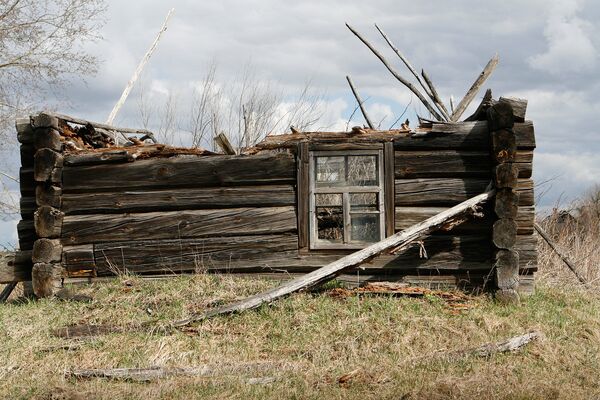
column 328, row 199
column 331, row 170
column 364, row 202
column 362, row 170
column 365, row 228
column 330, row 224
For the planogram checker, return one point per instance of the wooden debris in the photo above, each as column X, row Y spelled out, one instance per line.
column 506, row 346
column 331, row 270
column 559, row 252
column 223, row 142
column 7, row 291
column 472, row 92
column 360, row 102
column 397, row 75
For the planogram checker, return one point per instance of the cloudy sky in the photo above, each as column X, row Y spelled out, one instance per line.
column 548, row 54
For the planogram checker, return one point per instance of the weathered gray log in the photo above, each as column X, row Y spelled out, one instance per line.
column 27, row 235
column 46, row 163
column 44, row 120
column 15, row 267
column 450, row 191
column 360, row 102
column 48, row 222
column 46, row 251
column 303, row 195
column 47, row 138
column 559, row 252
column 510, row 345
column 48, row 195
column 480, row 112
column 46, row 279
column 80, row 121
column 500, row 116
column 177, row 224
column 24, row 130
column 27, row 152
column 188, row 171
column 436, row 97
column 27, row 207
column 79, row 261
column 178, row 199
column 26, row 181
column 442, row 163
column 507, row 269
column 506, row 175
column 8, row 289
column 472, row 92
column 519, row 107
column 507, row 204
column 504, row 234
column 224, row 144
column 397, row 75
column 90, row 158
column 331, row 270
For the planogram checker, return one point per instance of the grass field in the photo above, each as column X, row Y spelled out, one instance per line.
column 393, row 347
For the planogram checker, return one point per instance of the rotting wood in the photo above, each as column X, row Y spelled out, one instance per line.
column 175, row 224
column 559, row 252
column 177, row 199
column 80, row 121
column 519, row 107
column 79, row 260
column 46, row 279
column 331, row 270
column 46, row 161
column 506, row 175
column 507, row 204
column 224, row 144
column 389, row 188
column 47, row 138
column 8, row 289
column 46, row 250
column 480, row 112
column 15, row 267
column 504, row 146
column 48, row 222
column 44, row 120
column 48, row 195
column 507, row 269
column 472, row 92
column 360, row 102
column 442, row 163
column 24, row 130
column 303, row 195
column 397, row 75
column 184, row 171
column 489, row 349
column 436, row 97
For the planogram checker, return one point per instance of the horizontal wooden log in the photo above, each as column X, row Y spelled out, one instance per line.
column 79, row 261
column 92, row 158
column 27, row 206
column 48, row 222
column 15, row 267
column 48, row 195
column 178, row 199
column 442, row 163
column 209, row 253
column 184, row 171
column 46, row 279
column 44, row 120
column 46, row 250
column 519, row 107
column 27, row 235
column 506, row 175
column 450, row 191
column 27, row 152
column 24, row 130
column 463, row 136
column 344, row 146
column 27, row 183
column 46, row 162
column 177, row 224
column 47, row 138
column 408, row 216
column 504, row 233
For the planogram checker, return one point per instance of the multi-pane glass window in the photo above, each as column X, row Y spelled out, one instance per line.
column 346, row 199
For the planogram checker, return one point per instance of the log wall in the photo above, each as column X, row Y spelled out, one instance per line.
column 109, row 213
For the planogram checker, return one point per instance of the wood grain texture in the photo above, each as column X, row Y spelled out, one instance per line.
column 303, row 193
column 79, row 261
column 15, row 267
column 442, row 163
column 27, row 235
column 47, row 138
column 504, row 233
column 184, row 171
column 46, row 250
column 82, row 229
column 507, row 269
column 178, row 199
column 48, row 222
column 46, row 161
column 389, row 187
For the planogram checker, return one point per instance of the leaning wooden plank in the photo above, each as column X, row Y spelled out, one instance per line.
column 223, row 142
column 472, row 92
column 330, row 271
column 184, row 171
column 559, row 252
column 360, row 102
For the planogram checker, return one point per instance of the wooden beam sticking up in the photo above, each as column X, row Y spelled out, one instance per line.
column 559, row 252
column 472, row 92
column 224, row 144
column 138, row 71
column 330, row 271
column 436, row 97
column 360, row 102
column 397, row 75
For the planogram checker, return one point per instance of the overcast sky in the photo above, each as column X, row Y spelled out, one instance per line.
column 548, row 54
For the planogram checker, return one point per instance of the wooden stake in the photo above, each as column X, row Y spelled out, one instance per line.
column 360, row 102
column 224, row 143
column 395, row 73
column 559, row 252
column 353, row 260
column 138, row 71
column 472, row 92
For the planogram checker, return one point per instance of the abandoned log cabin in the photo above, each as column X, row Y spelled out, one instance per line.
column 92, row 206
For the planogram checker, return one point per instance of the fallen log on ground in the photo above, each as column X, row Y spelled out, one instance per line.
column 330, row 271
column 509, row 345
column 559, row 252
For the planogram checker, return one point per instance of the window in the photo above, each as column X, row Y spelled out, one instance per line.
column 346, row 204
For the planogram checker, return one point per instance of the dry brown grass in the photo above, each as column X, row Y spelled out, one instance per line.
column 576, row 229
column 387, row 347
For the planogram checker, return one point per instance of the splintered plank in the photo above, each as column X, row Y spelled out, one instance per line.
column 83, row 229
column 184, row 171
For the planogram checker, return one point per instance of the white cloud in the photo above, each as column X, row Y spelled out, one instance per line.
column 570, row 47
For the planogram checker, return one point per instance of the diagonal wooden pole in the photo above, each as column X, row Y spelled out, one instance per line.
column 138, row 71
column 472, row 92
column 559, row 252
column 360, row 102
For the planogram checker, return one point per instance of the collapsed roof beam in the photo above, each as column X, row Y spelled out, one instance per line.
column 360, row 102
column 472, row 92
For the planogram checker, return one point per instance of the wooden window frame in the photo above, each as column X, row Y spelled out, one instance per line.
column 314, row 242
